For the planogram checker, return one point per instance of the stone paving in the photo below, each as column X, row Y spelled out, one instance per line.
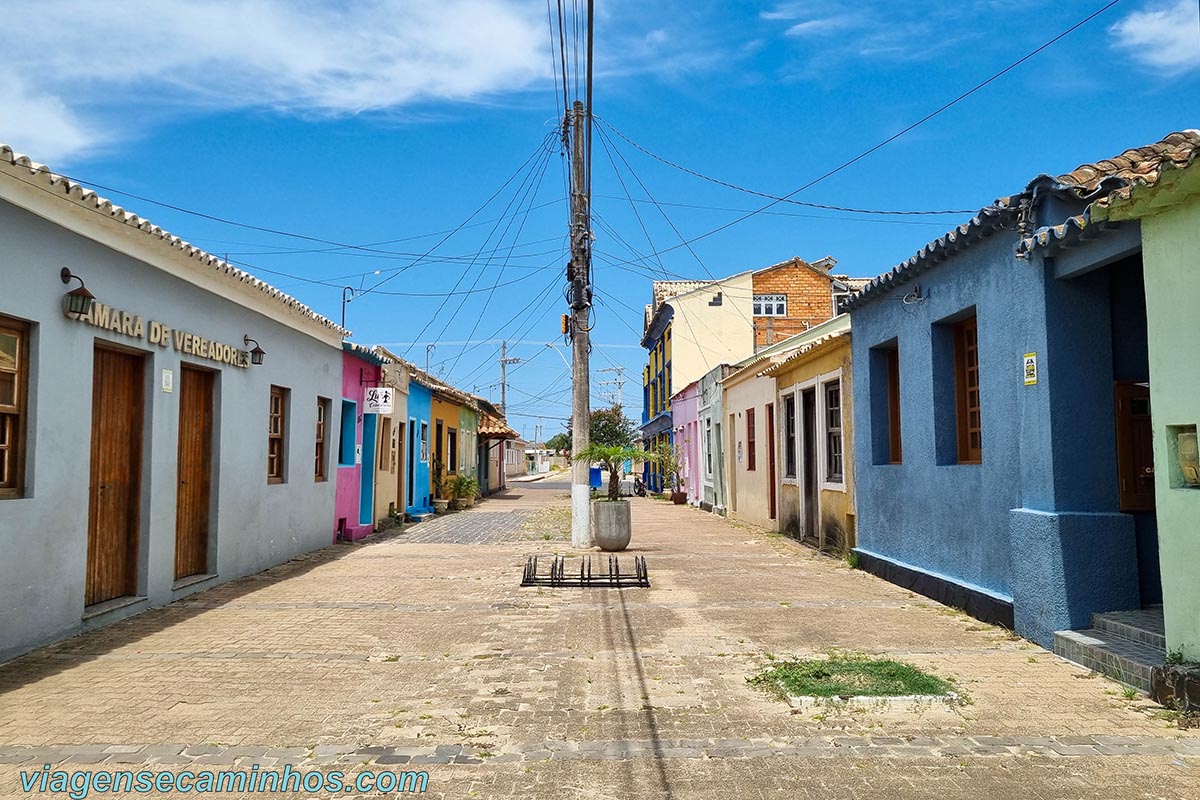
column 418, row 650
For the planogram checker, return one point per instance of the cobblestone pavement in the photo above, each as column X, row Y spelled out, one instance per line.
column 418, row 651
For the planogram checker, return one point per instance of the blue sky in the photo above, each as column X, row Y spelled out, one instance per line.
column 386, row 125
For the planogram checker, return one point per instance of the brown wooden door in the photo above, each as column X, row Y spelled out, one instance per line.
column 193, row 492
column 1135, row 447
column 771, row 460
column 114, row 496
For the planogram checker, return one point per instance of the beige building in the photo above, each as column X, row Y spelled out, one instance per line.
column 814, row 389
column 390, row 447
column 761, row 430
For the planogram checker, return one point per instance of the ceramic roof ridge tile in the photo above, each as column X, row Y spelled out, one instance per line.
column 1136, row 165
column 1114, row 179
column 804, row 350
column 88, row 198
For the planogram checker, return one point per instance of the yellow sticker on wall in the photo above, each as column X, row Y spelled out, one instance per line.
column 1031, row 375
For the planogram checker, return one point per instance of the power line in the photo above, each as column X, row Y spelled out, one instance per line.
column 755, row 192
column 946, row 106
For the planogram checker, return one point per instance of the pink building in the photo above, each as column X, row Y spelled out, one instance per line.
column 354, row 437
column 685, row 417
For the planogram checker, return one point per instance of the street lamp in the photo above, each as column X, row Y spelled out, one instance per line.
column 346, row 299
column 554, row 347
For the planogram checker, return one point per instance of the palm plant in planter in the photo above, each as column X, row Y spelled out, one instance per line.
column 463, row 488
column 611, row 522
column 672, row 471
column 440, row 503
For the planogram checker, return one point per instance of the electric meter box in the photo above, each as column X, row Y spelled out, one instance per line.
column 1185, row 447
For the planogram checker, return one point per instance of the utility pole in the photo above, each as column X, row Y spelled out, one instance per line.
column 504, row 362
column 580, row 298
column 618, row 381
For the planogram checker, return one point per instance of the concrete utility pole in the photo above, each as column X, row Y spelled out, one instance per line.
column 504, row 362
column 579, row 275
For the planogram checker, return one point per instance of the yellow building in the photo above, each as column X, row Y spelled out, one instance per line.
column 813, row 388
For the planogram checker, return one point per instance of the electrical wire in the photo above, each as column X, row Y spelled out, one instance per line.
column 944, row 107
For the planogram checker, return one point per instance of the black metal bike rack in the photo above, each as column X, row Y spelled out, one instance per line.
column 559, row 576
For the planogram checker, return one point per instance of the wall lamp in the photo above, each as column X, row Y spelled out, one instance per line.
column 256, row 355
column 77, row 302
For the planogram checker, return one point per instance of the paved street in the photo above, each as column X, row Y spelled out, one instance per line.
column 420, row 648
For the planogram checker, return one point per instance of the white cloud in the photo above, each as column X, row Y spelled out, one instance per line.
column 68, row 64
column 40, row 125
column 1165, row 36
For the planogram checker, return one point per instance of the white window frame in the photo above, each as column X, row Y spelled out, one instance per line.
column 817, row 384
column 770, row 305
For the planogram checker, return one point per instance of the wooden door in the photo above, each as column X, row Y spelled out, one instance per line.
column 808, row 424
column 1135, row 447
column 194, row 479
column 770, row 460
column 114, row 494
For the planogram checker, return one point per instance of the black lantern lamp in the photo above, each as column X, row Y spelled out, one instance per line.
column 256, row 355
column 77, row 302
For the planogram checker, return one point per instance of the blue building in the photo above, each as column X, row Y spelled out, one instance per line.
column 420, row 403
column 1002, row 412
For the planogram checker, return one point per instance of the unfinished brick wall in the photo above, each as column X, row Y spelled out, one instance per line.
column 809, row 300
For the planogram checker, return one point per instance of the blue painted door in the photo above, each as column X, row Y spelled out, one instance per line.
column 366, row 476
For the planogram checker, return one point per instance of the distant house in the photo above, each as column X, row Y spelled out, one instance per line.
column 772, row 433
column 691, row 327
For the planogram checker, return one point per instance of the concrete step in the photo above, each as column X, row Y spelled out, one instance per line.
column 421, row 517
column 1110, row 654
column 1145, row 626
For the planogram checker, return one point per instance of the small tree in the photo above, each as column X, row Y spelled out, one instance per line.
column 610, row 426
column 559, row 443
column 613, row 458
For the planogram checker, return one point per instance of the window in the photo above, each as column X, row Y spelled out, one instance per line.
column 424, row 441
column 708, row 446
column 770, row 305
column 833, row 431
column 322, row 437
column 452, row 446
column 14, row 375
column 895, row 450
column 750, row 448
column 346, row 444
column 385, row 444
column 276, row 430
column 789, row 436
column 966, row 376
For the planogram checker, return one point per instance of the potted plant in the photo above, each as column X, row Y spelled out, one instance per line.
column 440, row 504
column 611, row 521
column 668, row 459
column 463, row 489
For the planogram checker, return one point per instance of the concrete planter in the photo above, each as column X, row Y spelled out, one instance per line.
column 611, row 524
column 440, row 506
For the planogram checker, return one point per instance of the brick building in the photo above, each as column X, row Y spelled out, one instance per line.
column 794, row 295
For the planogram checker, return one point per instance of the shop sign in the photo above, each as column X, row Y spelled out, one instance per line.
column 378, row 400
column 135, row 327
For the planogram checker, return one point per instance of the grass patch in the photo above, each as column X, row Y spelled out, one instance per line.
column 848, row 676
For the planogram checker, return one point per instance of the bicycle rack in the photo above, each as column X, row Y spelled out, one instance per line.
column 612, row 578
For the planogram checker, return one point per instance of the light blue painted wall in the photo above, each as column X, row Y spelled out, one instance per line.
column 43, row 536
